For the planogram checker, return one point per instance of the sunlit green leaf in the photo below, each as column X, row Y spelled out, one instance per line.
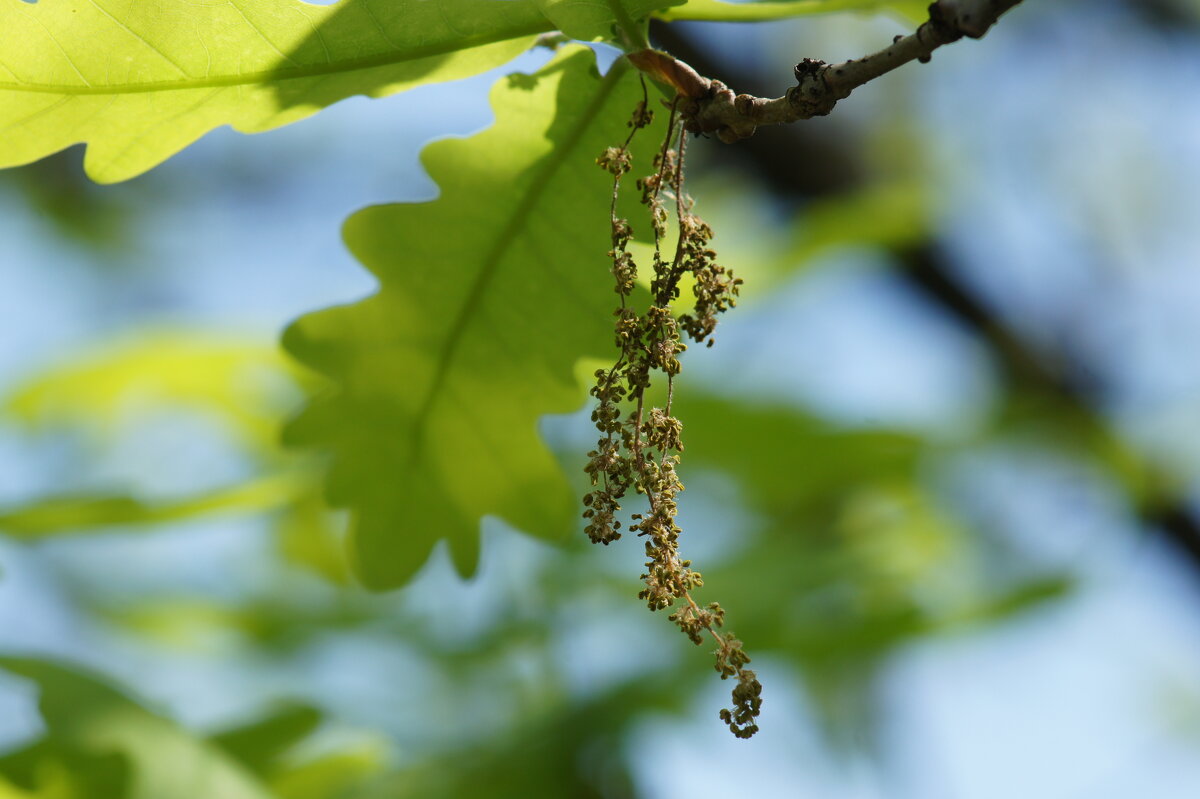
column 240, row 383
column 72, row 514
column 717, row 11
column 309, row 537
column 141, row 81
column 488, row 298
column 330, row 776
column 186, row 624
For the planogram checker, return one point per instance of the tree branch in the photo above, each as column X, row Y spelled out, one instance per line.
column 923, row 266
column 712, row 107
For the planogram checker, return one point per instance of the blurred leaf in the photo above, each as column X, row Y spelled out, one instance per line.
column 243, row 383
column 268, row 623
column 573, row 749
column 849, row 546
column 309, row 537
column 55, row 786
column 186, row 68
column 1043, row 421
column 717, row 11
column 488, row 297
column 87, row 718
column 783, row 458
column 329, row 777
column 839, row 618
column 259, row 745
column 58, row 192
column 846, row 557
column 193, row 624
column 889, row 214
column 42, row 771
column 72, row 515
column 1003, row 605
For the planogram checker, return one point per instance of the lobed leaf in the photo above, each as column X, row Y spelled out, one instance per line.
column 489, row 296
column 139, row 81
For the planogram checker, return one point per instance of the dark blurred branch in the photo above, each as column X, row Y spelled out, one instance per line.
column 1166, row 15
column 925, row 267
column 713, row 108
column 1178, row 525
column 927, row 270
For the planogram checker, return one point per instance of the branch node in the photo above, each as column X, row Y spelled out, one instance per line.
column 808, row 68
column 945, row 22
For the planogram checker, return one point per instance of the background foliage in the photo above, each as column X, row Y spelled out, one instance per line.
column 941, row 520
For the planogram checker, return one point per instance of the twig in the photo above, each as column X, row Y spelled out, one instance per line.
column 712, row 107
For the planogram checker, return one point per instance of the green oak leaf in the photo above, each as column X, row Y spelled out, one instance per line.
column 488, row 298
column 139, row 81
column 718, row 11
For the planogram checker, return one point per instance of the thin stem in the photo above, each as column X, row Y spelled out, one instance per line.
column 637, row 439
column 677, row 265
column 666, row 146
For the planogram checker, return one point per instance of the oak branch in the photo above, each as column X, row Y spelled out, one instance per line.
column 709, row 106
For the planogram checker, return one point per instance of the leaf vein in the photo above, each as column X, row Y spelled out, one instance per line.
column 57, row 44
column 137, row 36
column 382, row 30
column 17, row 123
column 254, row 27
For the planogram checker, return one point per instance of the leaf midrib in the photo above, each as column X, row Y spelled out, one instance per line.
column 764, row 10
column 502, row 243
column 289, row 73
